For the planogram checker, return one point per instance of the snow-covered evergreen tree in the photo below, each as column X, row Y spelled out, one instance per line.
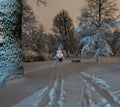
column 10, row 50
column 95, row 22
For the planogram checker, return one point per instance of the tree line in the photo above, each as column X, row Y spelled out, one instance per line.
column 98, row 31
column 37, row 44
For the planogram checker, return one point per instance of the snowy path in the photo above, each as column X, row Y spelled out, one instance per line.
column 54, row 84
column 104, row 97
column 49, row 96
column 60, row 93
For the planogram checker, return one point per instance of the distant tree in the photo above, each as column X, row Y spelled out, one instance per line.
column 51, row 43
column 28, row 18
column 33, row 35
column 97, row 20
column 64, row 30
column 28, row 26
column 39, row 40
column 35, row 44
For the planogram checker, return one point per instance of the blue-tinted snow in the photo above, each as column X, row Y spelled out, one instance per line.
column 61, row 101
column 33, row 100
column 102, row 88
column 52, row 93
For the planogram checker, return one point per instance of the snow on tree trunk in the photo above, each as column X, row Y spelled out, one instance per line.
column 10, row 46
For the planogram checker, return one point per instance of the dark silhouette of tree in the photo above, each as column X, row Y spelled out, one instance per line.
column 64, row 30
column 51, row 43
column 34, row 38
column 0, row 23
column 40, row 39
column 116, row 43
column 29, row 27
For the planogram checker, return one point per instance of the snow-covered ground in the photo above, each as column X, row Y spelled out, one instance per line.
column 104, row 96
column 65, row 84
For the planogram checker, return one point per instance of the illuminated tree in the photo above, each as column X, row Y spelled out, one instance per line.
column 97, row 21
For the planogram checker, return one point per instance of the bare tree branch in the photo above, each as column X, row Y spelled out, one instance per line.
column 44, row 2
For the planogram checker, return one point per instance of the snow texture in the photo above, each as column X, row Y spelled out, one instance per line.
column 61, row 101
column 10, row 49
column 102, row 97
column 1, row 39
column 32, row 101
column 52, row 94
column 89, row 46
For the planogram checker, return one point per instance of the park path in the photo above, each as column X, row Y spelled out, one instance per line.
column 64, row 84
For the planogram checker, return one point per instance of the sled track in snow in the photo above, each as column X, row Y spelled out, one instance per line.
column 49, row 96
column 103, row 97
column 54, row 94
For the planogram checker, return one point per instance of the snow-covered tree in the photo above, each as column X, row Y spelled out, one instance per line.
column 96, row 21
column 10, row 52
column 64, row 30
column 89, row 46
column 34, row 38
column 10, row 48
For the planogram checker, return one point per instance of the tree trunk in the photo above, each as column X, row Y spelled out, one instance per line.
column 10, row 47
column 99, row 26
